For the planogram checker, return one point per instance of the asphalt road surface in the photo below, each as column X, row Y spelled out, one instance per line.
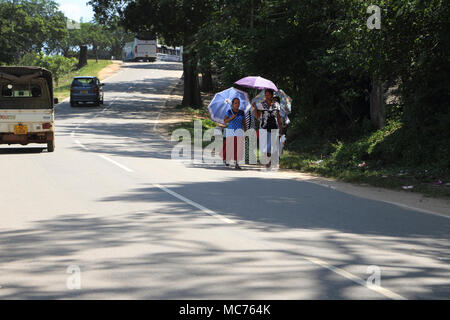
column 110, row 215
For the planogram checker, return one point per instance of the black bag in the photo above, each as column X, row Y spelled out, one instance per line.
column 270, row 118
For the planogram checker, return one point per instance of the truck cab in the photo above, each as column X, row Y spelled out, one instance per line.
column 27, row 106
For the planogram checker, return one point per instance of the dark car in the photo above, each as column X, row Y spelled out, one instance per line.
column 86, row 90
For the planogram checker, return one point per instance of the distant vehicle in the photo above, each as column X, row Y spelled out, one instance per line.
column 27, row 106
column 86, row 90
column 141, row 48
column 166, row 53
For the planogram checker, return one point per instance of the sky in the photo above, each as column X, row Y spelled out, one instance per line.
column 76, row 9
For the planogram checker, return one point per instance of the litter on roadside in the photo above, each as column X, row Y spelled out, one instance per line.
column 408, row 187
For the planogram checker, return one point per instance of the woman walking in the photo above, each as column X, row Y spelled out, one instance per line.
column 268, row 112
column 235, row 119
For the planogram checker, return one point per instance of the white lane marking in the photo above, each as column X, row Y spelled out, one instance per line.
column 325, row 185
column 115, row 163
column 72, row 134
column 417, row 209
column 194, row 204
column 173, row 193
column 421, row 210
column 383, row 291
column 81, row 145
column 157, row 121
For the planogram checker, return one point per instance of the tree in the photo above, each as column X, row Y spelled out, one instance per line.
column 176, row 20
column 90, row 34
column 29, row 26
column 58, row 65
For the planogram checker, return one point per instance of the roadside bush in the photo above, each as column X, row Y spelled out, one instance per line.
column 58, row 65
column 371, row 146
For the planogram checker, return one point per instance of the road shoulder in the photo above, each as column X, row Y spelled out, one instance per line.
column 110, row 70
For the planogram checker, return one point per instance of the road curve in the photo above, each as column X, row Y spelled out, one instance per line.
column 109, row 215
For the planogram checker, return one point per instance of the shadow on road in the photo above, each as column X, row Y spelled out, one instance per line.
column 30, row 150
column 350, row 226
column 172, row 264
column 171, row 66
column 298, row 204
column 129, row 100
column 126, row 126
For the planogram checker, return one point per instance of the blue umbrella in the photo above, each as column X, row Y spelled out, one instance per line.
column 222, row 103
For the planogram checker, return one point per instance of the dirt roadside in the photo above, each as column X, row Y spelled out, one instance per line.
column 172, row 116
column 110, row 70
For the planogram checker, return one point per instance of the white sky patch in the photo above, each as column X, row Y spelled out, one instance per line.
column 76, row 9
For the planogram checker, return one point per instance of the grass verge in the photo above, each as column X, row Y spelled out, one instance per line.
column 362, row 161
column 62, row 90
column 191, row 116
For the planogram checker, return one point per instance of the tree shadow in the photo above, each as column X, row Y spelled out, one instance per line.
column 298, row 204
column 173, row 251
column 18, row 150
column 367, row 232
column 170, row 66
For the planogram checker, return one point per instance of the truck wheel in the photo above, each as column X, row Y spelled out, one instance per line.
column 51, row 146
column 72, row 104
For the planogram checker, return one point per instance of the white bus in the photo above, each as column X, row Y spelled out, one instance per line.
column 142, row 48
column 166, row 53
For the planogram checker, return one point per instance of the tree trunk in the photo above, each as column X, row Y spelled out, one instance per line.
column 82, row 60
column 191, row 96
column 377, row 104
column 117, row 51
column 96, row 53
column 207, row 81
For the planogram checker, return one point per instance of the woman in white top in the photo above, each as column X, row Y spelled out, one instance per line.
column 268, row 113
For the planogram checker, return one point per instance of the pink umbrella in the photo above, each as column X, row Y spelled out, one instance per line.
column 256, row 83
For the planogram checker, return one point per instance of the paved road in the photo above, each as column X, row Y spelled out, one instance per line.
column 110, row 203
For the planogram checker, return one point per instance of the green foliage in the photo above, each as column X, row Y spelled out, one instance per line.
column 371, row 146
column 58, row 65
column 377, row 158
column 92, row 68
column 29, row 26
column 322, row 54
column 32, row 26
